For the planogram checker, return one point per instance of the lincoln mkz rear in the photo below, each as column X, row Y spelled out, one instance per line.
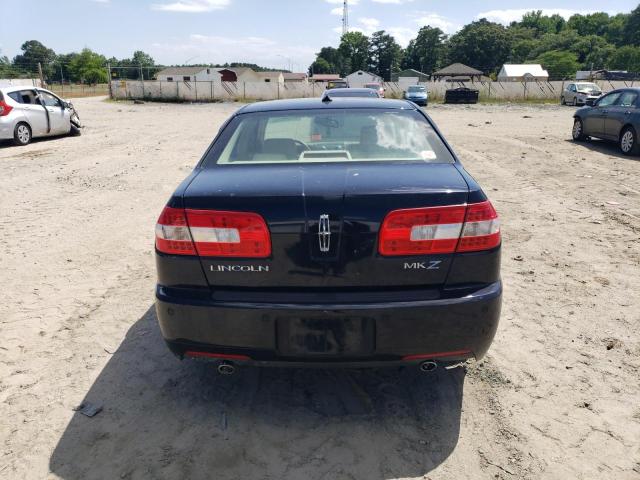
column 335, row 232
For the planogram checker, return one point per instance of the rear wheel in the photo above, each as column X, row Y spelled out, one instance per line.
column 21, row 134
column 628, row 141
column 578, row 131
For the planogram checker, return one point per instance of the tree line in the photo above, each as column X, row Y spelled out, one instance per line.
column 583, row 42
column 86, row 66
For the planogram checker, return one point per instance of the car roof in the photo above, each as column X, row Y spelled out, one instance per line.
column 354, row 90
column 334, row 103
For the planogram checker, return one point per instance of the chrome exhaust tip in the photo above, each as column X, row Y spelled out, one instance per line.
column 226, row 368
column 428, row 366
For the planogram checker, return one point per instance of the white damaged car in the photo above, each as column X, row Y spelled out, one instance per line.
column 30, row 112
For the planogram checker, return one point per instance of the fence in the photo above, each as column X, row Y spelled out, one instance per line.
column 232, row 91
column 78, row 90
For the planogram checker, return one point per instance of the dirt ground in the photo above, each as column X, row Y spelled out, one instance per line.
column 557, row 397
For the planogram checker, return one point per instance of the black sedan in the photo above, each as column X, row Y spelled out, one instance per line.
column 614, row 116
column 329, row 232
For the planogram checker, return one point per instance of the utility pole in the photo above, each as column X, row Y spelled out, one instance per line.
column 109, row 79
column 345, row 17
column 41, row 75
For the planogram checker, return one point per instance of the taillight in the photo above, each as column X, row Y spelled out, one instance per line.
column 229, row 234
column 212, row 233
column 172, row 233
column 481, row 228
column 434, row 230
column 4, row 108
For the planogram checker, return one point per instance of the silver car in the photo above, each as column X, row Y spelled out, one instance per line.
column 417, row 94
column 577, row 93
column 30, row 112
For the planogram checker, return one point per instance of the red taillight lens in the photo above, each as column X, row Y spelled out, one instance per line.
column 421, row 231
column 229, row 234
column 433, row 230
column 4, row 108
column 481, row 228
column 212, row 233
column 172, row 233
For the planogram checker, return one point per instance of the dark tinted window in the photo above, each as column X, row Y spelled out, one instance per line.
column 628, row 99
column 609, row 99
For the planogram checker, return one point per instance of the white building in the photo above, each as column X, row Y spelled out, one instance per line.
column 188, row 74
column 360, row 77
column 522, row 73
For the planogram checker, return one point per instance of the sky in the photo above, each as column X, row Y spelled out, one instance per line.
column 272, row 33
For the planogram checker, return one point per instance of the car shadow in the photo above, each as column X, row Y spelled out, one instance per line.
column 605, row 147
column 163, row 418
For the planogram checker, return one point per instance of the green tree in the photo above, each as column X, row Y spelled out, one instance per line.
column 481, row 44
column 632, row 27
column 34, row 52
column 333, row 57
column 354, row 49
column 320, row 66
column 426, row 52
column 615, row 31
column 626, row 58
column 541, row 24
column 385, row 55
column 89, row 67
column 593, row 50
column 592, row 24
column 559, row 64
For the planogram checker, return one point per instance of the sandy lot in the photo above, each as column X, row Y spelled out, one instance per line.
column 557, row 397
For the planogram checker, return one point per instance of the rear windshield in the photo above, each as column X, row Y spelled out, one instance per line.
column 416, row 88
column 336, row 135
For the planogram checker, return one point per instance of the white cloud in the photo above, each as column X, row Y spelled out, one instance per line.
column 515, row 14
column 192, row 6
column 336, row 11
column 335, row 2
column 436, row 20
column 402, row 34
column 221, row 49
column 101, row 1
column 397, row 2
column 368, row 25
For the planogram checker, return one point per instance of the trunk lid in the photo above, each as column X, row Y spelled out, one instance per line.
column 324, row 220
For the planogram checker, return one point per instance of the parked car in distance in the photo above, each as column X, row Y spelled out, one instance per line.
column 614, row 116
column 377, row 87
column 337, row 84
column 30, row 112
column 335, row 232
column 351, row 92
column 577, row 93
column 417, row 94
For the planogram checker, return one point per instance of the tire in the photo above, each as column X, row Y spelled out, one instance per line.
column 628, row 141
column 75, row 131
column 577, row 132
column 562, row 102
column 22, row 134
column 575, row 101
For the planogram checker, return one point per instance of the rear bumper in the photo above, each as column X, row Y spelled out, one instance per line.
column 446, row 329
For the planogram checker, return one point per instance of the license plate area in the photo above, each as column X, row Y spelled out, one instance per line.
column 326, row 336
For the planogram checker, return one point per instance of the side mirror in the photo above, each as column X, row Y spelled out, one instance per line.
column 590, row 102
